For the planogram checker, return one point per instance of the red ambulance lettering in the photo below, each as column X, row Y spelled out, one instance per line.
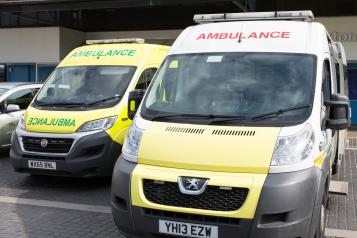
column 264, row 35
column 252, row 35
column 202, row 36
column 285, row 35
column 212, row 36
column 233, row 35
column 223, row 36
column 241, row 35
column 275, row 34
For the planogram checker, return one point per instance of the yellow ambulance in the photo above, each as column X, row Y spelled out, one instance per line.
column 76, row 124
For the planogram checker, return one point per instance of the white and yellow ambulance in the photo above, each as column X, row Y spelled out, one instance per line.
column 237, row 134
column 77, row 123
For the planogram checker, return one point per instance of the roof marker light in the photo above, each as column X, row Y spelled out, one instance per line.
column 110, row 41
column 254, row 16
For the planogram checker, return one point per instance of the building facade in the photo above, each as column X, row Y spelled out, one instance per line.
column 36, row 35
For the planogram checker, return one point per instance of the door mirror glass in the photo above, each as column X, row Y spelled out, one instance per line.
column 12, row 108
column 340, row 112
column 135, row 98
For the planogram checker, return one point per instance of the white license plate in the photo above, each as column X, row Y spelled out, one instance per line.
column 187, row 229
column 42, row 165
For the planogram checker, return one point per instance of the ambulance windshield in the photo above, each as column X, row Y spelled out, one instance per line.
column 244, row 85
column 94, row 86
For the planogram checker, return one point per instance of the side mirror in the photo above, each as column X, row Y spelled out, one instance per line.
column 12, row 108
column 135, row 98
column 339, row 117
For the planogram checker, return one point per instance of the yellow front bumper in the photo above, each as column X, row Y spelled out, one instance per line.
column 254, row 182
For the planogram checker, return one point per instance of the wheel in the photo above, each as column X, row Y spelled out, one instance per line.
column 320, row 229
column 335, row 164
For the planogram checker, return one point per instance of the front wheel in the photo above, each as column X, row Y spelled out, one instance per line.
column 320, row 229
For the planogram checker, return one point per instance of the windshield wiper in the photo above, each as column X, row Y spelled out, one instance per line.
column 209, row 116
column 102, row 100
column 213, row 117
column 278, row 112
column 228, row 118
column 64, row 104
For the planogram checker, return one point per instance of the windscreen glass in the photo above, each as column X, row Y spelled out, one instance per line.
column 3, row 90
column 257, row 87
column 90, row 86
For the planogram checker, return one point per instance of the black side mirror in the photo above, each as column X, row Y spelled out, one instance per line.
column 340, row 112
column 12, row 108
column 134, row 101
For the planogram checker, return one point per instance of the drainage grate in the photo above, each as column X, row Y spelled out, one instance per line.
column 232, row 133
column 184, row 130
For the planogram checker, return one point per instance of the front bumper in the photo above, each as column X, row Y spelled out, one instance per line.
column 285, row 208
column 91, row 154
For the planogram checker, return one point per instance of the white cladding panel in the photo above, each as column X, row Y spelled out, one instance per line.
column 256, row 36
column 21, row 45
column 343, row 29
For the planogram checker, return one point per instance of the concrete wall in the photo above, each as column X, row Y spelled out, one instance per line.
column 343, row 29
column 28, row 45
column 70, row 39
column 38, row 45
column 51, row 44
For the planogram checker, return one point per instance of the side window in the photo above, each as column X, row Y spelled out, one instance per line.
column 326, row 83
column 2, row 107
column 145, row 78
column 35, row 91
column 22, row 98
column 338, row 77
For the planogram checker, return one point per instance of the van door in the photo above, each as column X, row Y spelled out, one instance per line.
column 330, row 136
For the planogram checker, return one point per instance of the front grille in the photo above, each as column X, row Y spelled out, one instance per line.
column 54, row 145
column 213, row 198
column 40, row 157
column 187, row 217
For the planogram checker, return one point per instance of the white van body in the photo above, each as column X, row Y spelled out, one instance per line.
column 285, row 165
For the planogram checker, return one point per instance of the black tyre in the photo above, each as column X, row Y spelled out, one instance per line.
column 320, row 229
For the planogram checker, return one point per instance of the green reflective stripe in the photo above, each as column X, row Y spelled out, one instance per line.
column 104, row 53
column 64, row 122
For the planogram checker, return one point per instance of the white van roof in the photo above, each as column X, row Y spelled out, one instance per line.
column 253, row 36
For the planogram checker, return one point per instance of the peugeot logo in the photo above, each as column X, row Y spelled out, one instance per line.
column 44, row 143
column 192, row 186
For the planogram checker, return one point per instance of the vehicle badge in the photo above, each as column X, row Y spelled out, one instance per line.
column 44, row 143
column 192, row 186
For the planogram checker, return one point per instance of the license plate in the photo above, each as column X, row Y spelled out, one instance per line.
column 42, row 165
column 187, row 229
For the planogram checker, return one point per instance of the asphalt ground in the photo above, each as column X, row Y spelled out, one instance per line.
column 41, row 206
column 342, row 213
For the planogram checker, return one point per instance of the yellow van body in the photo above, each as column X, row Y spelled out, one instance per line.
column 51, row 141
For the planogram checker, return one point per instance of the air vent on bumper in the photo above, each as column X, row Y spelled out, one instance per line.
column 184, row 130
column 233, row 133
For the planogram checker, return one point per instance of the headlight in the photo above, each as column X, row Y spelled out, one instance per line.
column 293, row 149
column 100, row 124
column 22, row 123
column 132, row 142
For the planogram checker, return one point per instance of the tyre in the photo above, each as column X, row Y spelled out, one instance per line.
column 320, row 229
column 335, row 164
